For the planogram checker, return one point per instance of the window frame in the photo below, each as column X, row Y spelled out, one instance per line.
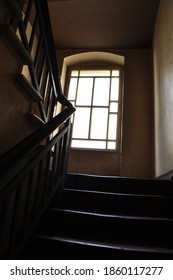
column 118, row 139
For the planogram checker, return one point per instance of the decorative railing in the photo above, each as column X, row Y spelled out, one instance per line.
column 34, row 170
column 31, row 173
column 33, row 28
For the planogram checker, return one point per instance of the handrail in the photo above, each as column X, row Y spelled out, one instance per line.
column 20, row 150
column 42, row 7
column 10, row 186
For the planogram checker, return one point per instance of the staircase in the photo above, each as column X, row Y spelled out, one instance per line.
column 106, row 218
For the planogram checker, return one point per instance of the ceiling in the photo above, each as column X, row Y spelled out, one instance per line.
column 103, row 23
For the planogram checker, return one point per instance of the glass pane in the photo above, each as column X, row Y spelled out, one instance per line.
column 115, row 89
column 101, row 92
column 95, row 73
column 114, row 107
column 115, row 73
column 84, row 92
column 72, row 89
column 99, row 123
column 81, row 123
column 74, row 73
column 111, row 145
column 112, row 132
column 88, row 144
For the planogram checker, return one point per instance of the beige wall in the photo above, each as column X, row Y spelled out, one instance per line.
column 137, row 155
column 163, row 88
column 136, row 158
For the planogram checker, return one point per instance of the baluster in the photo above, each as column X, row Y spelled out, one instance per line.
column 65, row 150
column 39, row 182
column 54, row 166
column 42, row 67
column 28, row 12
column 46, row 85
column 59, row 160
column 37, row 55
column 3, row 222
column 20, row 3
column 47, row 176
column 48, row 103
column 28, row 202
column 53, row 105
column 33, row 33
column 15, row 221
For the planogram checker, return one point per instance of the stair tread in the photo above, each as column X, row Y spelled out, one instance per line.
column 115, row 246
column 118, row 178
column 107, row 223
column 127, row 217
column 116, row 193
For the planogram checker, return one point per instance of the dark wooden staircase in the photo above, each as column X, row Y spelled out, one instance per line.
column 106, row 218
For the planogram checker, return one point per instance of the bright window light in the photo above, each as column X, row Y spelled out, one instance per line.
column 84, row 93
column 101, row 92
column 95, row 94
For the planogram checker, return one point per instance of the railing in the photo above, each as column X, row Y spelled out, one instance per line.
column 37, row 170
column 33, row 171
column 34, row 30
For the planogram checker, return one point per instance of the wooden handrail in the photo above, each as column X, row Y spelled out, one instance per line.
column 20, row 150
column 42, row 8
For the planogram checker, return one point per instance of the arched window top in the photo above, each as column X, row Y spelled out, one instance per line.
column 94, row 56
column 90, row 58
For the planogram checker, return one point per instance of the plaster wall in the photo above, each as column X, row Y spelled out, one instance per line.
column 137, row 151
column 163, row 88
column 14, row 107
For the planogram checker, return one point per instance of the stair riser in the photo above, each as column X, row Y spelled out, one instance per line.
column 122, row 185
column 117, row 204
column 52, row 249
column 107, row 229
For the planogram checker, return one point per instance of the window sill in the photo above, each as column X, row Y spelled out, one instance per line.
column 95, row 150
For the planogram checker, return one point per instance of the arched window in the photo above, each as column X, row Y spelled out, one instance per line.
column 96, row 92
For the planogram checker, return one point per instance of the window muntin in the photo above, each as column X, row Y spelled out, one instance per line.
column 96, row 96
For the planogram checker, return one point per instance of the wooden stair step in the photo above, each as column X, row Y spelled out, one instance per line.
column 119, row 184
column 109, row 228
column 106, row 218
column 58, row 247
column 117, row 203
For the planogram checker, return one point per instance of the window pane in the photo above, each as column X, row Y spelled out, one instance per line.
column 114, row 107
column 95, row 73
column 81, row 123
column 112, row 127
column 88, row 144
column 74, row 73
column 115, row 89
column 111, row 145
column 115, row 73
column 84, row 93
column 99, row 123
column 72, row 89
column 101, row 92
